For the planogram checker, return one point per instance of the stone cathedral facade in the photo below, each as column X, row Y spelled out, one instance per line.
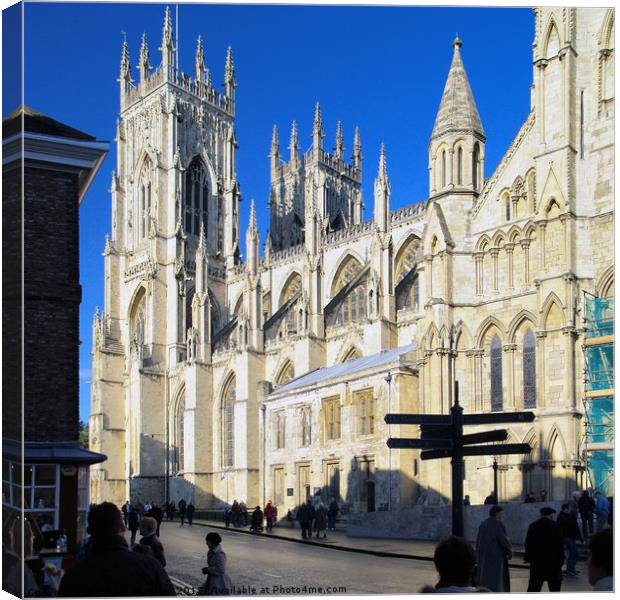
column 216, row 378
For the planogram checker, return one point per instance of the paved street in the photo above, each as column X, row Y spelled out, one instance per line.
column 265, row 565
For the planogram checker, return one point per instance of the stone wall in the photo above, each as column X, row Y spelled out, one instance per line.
column 435, row 522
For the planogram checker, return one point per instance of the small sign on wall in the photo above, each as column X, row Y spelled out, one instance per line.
column 289, row 491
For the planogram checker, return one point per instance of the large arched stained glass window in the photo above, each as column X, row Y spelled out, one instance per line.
column 353, row 306
column 496, row 374
column 529, row 370
column 406, row 278
column 196, row 197
column 228, row 424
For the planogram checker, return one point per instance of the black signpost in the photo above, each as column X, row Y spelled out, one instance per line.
column 442, row 436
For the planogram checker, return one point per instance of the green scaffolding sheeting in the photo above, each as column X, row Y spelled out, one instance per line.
column 599, row 377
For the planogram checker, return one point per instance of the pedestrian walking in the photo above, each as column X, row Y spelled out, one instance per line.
column 303, row 516
column 243, row 510
column 270, row 513
column 140, row 510
column 236, row 514
column 601, row 510
column 312, row 512
column 182, row 509
column 218, row 581
column 586, row 506
column 455, row 561
column 173, row 510
column 544, row 550
column 109, row 568
column 227, row 516
column 191, row 509
column 490, row 499
column 320, row 521
column 158, row 514
column 332, row 515
column 133, row 525
column 149, row 538
column 126, row 511
column 601, row 561
column 567, row 521
column 147, row 508
column 493, row 551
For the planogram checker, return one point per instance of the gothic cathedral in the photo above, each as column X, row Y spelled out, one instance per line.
column 217, row 379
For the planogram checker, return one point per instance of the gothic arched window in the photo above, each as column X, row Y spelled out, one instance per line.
column 178, row 446
column 443, row 169
column 497, row 399
column 529, row 370
column 287, row 373
column 353, row 305
column 228, row 424
column 144, row 200
column 137, row 330
column 406, row 278
column 475, row 166
column 459, row 166
column 196, row 197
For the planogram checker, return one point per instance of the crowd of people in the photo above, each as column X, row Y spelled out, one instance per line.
column 107, row 565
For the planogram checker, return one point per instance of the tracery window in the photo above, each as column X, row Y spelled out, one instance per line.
column 144, row 200
column 496, row 374
column 459, row 166
column 352, row 354
column 138, row 323
column 196, row 197
column 331, row 414
column 353, row 306
column 228, row 424
column 407, row 291
column 306, row 434
column 529, row 370
column 286, row 374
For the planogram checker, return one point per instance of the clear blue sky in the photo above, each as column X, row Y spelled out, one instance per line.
column 377, row 67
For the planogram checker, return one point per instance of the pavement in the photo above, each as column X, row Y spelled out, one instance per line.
column 339, row 540
column 262, row 563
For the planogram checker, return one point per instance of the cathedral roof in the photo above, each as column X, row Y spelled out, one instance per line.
column 457, row 111
column 346, row 369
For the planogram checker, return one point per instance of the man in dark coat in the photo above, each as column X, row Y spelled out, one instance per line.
column 190, row 512
column 490, row 499
column 182, row 508
column 567, row 521
column 158, row 514
column 544, row 550
column 149, row 538
column 493, row 550
column 109, row 568
column 586, row 506
column 303, row 516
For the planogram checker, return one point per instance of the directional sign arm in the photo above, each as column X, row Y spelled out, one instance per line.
column 435, row 432
column 415, row 443
column 499, row 435
column 396, row 419
column 432, row 454
column 497, row 449
column 500, row 417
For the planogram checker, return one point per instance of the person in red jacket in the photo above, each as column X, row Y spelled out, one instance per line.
column 270, row 515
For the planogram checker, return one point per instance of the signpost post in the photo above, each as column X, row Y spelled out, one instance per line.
column 441, row 436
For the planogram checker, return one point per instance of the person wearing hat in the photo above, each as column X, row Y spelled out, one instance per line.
column 218, row 582
column 544, row 550
column 493, row 550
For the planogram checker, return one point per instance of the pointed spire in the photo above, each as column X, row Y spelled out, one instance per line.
column 339, row 148
column 252, row 241
column 382, row 164
column 457, row 110
column 167, row 41
column 200, row 60
column 357, row 149
column 317, row 127
column 294, row 145
column 229, row 71
column 145, row 60
column 275, row 142
column 253, row 227
column 202, row 262
column 125, row 65
column 207, row 77
column 202, row 242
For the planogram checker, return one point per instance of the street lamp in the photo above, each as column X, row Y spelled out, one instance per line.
column 388, row 380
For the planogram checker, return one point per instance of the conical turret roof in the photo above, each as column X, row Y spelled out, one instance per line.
column 457, row 111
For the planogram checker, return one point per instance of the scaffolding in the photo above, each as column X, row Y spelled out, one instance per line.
column 598, row 397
